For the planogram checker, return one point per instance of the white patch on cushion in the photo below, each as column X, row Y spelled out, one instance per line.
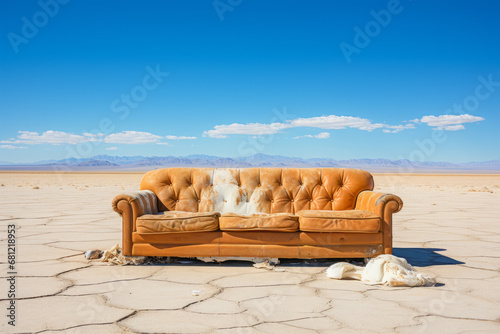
column 228, row 197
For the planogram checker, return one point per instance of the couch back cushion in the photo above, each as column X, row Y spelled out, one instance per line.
column 256, row 190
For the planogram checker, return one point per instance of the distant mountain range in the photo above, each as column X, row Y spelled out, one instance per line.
column 131, row 163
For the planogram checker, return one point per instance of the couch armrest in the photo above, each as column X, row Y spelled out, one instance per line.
column 130, row 206
column 376, row 202
column 142, row 202
column 383, row 205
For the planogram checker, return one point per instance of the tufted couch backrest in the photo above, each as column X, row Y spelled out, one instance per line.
column 256, row 190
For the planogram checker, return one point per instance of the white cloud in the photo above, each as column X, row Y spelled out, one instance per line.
column 131, row 137
column 322, row 135
column 221, row 131
column 180, row 137
column 335, row 122
column 397, row 128
column 331, row 122
column 11, row 147
column 51, row 137
column 111, row 148
column 58, row 138
column 452, row 127
column 163, row 143
column 450, row 122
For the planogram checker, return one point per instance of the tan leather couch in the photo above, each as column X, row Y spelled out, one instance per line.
column 257, row 212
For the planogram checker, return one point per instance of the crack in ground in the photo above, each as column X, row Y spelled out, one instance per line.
column 59, row 258
column 456, row 318
column 478, row 268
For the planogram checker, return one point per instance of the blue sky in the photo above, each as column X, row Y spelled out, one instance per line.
column 416, row 80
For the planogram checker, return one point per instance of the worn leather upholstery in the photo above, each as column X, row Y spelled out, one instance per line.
column 280, row 222
column 338, row 221
column 178, row 221
column 249, row 201
column 276, row 190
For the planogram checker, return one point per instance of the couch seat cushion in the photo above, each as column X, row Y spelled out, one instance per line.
column 178, row 221
column 283, row 222
column 338, row 221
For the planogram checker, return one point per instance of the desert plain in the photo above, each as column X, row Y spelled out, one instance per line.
column 449, row 228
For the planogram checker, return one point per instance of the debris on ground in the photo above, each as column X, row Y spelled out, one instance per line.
column 114, row 256
column 384, row 269
column 195, row 292
column 93, row 254
column 269, row 264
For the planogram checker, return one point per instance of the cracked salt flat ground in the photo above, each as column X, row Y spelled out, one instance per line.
column 450, row 231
